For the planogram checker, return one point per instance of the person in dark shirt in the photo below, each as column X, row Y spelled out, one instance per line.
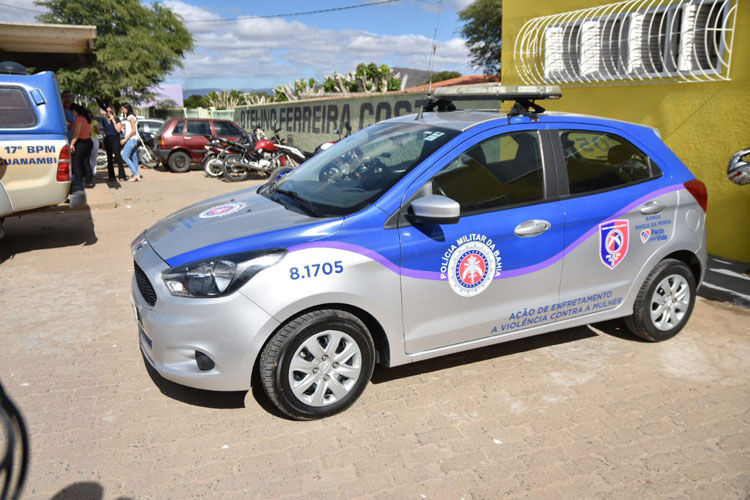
column 112, row 129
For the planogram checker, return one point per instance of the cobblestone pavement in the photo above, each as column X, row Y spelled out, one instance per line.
column 583, row 413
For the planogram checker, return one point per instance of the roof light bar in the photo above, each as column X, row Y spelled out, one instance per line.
column 497, row 92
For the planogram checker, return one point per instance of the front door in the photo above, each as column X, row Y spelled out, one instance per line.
column 497, row 270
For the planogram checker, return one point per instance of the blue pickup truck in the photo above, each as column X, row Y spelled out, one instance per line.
column 34, row 153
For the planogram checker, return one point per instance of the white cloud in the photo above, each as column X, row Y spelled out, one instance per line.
column 19, row 11
column 267, row 52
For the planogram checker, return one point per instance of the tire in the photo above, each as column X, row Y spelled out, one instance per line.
column 232, row 173
column 208, row 157
column 296, row 368
column 179, row 162
column 279, row 173
column 147, row 158
column 664, row 302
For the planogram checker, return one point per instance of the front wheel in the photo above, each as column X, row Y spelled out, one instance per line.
column 214, row 167
column 664, row 302
column 179, row 162
column 317, row 364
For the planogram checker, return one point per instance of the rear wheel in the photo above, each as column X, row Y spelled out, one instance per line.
column 317, row 364
column 213, row 167
column 664, row 302
column 233, row 172
column 179, row 162
column 147, row 157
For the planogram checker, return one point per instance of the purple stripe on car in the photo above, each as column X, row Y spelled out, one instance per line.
column 510, row 273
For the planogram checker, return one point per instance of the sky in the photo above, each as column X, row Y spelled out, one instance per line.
column 263, row 53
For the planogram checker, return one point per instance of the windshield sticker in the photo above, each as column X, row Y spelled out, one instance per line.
column 613, row 242
column 434, row 136
column 222, row 210
column 471, row 264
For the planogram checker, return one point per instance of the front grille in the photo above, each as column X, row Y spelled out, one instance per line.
column 144, row 286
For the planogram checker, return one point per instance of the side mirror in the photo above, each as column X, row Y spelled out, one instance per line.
column 434, row 209
column 739, row 168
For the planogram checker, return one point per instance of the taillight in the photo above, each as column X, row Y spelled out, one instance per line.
column 63, row 165
column 161, row 142
column 699, row 192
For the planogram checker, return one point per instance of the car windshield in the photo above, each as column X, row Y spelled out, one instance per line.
column 357, row 170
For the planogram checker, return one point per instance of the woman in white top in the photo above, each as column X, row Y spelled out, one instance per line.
column 130, row 141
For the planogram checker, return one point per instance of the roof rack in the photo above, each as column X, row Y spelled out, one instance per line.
column 524, row 96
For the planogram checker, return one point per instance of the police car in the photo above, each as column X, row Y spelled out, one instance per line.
column 34, row 152
column 417, row 237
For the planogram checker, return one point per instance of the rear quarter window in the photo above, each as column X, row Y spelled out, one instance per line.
column 15, row 109
column 226, row 129
column 598, row 161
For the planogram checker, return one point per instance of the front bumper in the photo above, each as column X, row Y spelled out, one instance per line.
column 230, row 330
column 162, row 154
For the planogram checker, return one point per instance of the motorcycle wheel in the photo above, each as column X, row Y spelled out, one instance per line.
column 147, row 158
column 279, row 173
column 212, row 165
column 233, row 173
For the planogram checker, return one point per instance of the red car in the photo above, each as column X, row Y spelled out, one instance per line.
column 180, row 141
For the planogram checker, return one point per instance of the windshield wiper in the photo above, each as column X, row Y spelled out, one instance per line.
column 304, row 203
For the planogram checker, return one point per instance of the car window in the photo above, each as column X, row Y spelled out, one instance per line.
column 198, row 127
column 598, row 160
column 179, row 128
column 224, row 129
column 15, row 109
column 498, row 172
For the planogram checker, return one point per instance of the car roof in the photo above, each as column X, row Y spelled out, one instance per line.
column 462, row 120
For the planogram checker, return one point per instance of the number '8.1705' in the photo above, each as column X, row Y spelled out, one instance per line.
column 313, row 270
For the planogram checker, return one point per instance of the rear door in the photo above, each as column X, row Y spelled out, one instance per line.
column 618, row 211
column 494, row 272
column 227, row 130
column 196, row 131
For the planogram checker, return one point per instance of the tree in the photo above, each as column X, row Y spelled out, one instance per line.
column 442, row 76
column 195, row 101
column 483, row 33
column 136, row 47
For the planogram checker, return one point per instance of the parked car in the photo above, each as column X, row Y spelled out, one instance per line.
column 149, row 126
column 34, row 153
column 180, row 142
column 417, row 237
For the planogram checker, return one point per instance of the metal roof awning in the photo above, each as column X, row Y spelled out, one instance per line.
column 47, row 47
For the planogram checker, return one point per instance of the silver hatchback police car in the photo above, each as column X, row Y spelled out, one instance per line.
column 421, row 236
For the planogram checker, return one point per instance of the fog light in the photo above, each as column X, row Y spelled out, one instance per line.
column 204, row 362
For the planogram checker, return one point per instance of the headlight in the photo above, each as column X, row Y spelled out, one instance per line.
column 220, row 275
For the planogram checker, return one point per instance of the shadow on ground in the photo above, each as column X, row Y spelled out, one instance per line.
column 52, row 228
column 195, row 397
column 232, row 400
column 83, row 491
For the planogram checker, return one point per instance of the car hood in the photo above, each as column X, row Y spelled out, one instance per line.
column 236, row 222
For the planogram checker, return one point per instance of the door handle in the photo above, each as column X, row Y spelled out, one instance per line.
column 652, row 207
column 187, row 138
column 531, row 228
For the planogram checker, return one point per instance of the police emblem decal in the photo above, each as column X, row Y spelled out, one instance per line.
column 471, row 266
column 613, row 242
column 222, row 210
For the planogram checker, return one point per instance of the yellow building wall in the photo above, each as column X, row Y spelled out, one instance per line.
column 703, row 123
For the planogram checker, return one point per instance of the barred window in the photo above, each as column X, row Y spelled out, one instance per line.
column 633, row 40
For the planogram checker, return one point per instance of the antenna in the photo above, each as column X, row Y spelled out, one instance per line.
column 434, row 48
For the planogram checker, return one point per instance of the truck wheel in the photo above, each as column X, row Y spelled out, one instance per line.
column 317, row 364
column 179, row 162
column 664, row 302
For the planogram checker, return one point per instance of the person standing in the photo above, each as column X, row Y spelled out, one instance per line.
column 80, row 146
column 130, row 141
column 67, row 100
column 95, row 144
column 112, row 129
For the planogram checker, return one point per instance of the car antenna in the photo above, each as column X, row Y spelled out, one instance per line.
column 420, row 115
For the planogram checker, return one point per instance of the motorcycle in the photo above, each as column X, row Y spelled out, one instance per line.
column 146, row 155
column 264, row 156
column 284, row 170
